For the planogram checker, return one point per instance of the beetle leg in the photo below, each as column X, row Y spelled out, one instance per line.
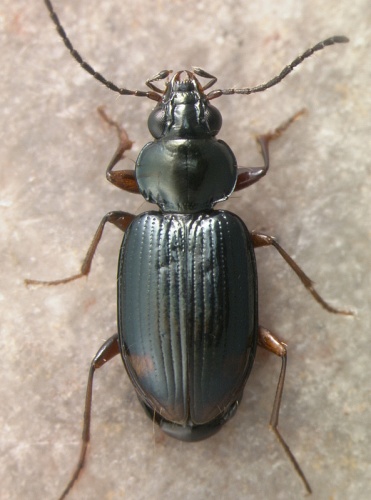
column 272, row 344
column 123, row 179
column 263, row 240
column 248, row 176
column 107, row 351
column 119, row 219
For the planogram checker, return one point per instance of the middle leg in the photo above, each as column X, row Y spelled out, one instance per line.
column 263, row 240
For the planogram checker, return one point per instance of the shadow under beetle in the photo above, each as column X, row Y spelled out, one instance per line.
column 187, row 282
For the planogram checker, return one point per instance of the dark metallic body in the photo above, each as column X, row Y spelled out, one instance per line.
column 187, row 303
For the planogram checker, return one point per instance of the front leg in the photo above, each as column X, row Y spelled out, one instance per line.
column 123, row 179
column 248, row 176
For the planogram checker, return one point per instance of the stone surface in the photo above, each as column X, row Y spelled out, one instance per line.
column 316, row 200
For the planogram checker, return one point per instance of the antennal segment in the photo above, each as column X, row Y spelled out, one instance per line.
column 75, row 54
column 284, row 72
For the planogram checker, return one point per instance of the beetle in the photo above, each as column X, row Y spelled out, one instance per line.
column 188, row 323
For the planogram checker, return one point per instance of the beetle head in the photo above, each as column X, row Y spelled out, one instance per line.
column 184, row 110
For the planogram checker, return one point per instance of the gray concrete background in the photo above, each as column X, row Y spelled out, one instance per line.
column 316, row 200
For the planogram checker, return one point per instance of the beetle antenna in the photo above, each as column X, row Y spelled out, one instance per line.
column 284, row 72
column 76, row 55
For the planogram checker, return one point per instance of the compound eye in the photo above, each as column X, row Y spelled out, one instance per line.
column 156, row 122
column 213, row 118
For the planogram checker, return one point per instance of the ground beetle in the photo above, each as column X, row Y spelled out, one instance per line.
column 187, row 283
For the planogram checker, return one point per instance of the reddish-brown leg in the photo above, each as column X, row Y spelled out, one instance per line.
column 123, row 179
column 247, row 176
column 270, row 342
column 108, row 351
column 119, row 219
column 263, row 240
